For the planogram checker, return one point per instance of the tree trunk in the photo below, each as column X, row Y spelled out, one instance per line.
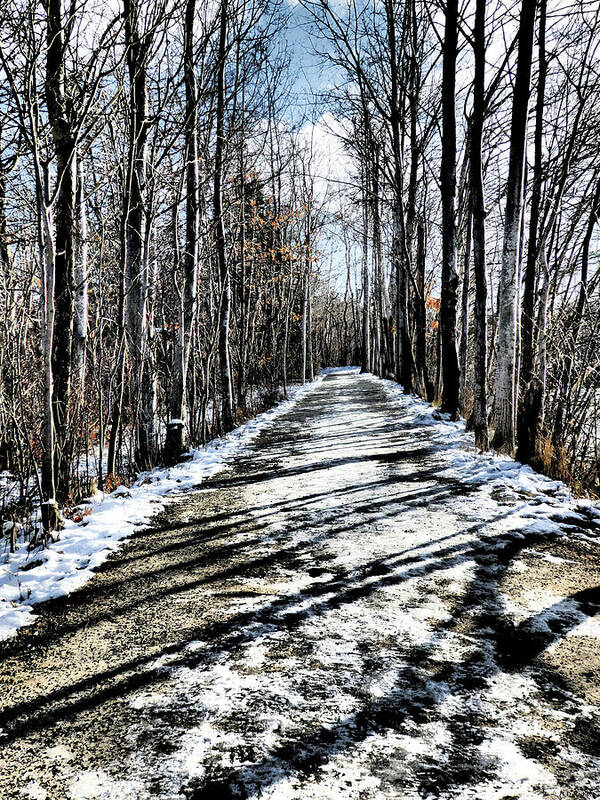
column 366, row 332
column 136, row 235
column 81, row 285
column 309, row 341
column 175, row 441
column 227, row 415
column 406, row 357
column 64, row 143
column 400, row 254
column 479, row 417
column 304, row 323
column 411, row 44
column 450, row 368
column 505, row 401
column 378, row 267
column 48, row 322
column 421, row 337
column 528, row 312
column 463, row 351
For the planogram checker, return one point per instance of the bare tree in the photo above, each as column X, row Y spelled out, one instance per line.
column 187, row 297
column 506, row 366
column 450, row 369
column 479, row 417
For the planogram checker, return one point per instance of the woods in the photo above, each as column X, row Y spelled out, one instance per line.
column 487, row 133
column 299, row 399
column 183, row 234
column 156, row 234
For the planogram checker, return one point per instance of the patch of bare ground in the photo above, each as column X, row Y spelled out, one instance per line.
column 564, row 568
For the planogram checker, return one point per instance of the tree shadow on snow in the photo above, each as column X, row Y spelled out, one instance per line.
column 222, row 547
column 423, row 686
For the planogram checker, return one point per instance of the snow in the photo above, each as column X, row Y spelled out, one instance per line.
column 7, row 527
column 34, row 791
column 27, row 578
column 515, row 774
column 97, row 785
column 371, row 670
column 409, row 603
column 533, row 495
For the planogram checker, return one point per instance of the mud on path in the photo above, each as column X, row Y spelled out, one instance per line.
column 327, row 618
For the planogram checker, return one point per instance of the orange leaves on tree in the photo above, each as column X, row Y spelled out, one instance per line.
column 433, row 304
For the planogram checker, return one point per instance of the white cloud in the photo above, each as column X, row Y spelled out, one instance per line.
column 327, row 162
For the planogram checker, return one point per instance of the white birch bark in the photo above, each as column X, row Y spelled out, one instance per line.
column 506, row 376
column 80, row 326
column 49, row 251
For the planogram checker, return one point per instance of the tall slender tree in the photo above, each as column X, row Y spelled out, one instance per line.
column 227, row 415
column 187, row 295
column 58, row 93
column 135, row 212
column 450, row 368
column 479, row 417
column 508, row 298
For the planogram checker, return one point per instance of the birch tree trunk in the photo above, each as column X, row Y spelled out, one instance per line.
column 48, row 320
column 506, row 389
column 479, row 418
column 175, row 441
column 81, row 285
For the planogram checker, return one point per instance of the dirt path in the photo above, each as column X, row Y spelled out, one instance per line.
column 328, row 618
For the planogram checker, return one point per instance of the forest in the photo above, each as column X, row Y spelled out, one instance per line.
column 299, row 399
column 202, row 203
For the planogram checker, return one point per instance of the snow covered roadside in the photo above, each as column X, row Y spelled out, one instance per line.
column 534, row 503
column 498, row 475
column 30, row 577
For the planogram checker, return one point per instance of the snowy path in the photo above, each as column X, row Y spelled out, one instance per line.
column 333, row 616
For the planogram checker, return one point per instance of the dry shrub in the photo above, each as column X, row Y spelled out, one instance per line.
column 544, row 459
column 560, row 465
column 112, row 482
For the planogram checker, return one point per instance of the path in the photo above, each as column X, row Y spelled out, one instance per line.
column 328, row 618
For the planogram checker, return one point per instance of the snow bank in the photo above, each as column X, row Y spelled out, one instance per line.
column 504, row 478
column 30, row 577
